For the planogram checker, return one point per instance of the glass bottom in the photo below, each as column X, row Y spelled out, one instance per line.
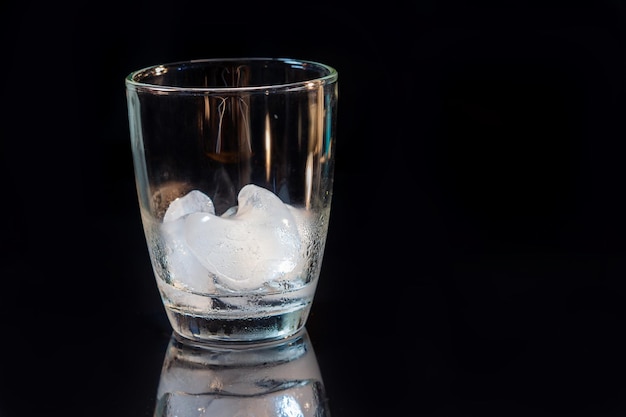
column 246, row 330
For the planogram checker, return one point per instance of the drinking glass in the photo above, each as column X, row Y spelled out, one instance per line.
column 234, row 162
column 273, row 379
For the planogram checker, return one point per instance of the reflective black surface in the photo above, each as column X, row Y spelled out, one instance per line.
column 476, row 257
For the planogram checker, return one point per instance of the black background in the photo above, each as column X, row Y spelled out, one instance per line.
column 476, row 256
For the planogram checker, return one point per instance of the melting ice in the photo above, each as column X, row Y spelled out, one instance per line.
column 255, row 242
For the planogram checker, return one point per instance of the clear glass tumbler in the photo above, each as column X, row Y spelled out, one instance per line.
column 234, row 162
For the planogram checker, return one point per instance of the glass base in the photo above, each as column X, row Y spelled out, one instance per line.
column 246, row 330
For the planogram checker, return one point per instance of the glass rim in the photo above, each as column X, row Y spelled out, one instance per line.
column 133, row 79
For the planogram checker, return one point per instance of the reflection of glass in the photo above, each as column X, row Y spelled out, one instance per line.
column 280, row 378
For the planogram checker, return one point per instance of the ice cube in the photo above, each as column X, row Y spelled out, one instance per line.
column 183, row 268
column 256, row 242
column 194, row 201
